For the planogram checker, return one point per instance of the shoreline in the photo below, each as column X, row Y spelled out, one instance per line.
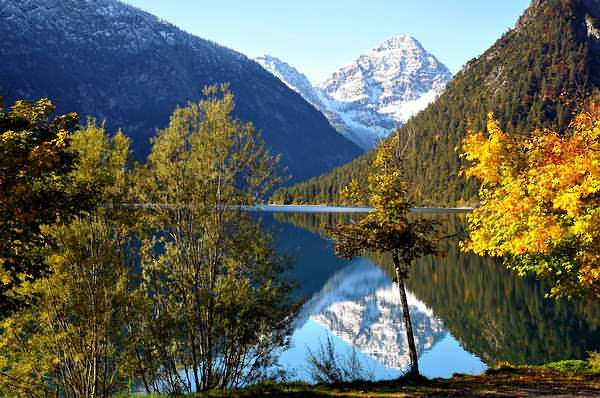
column 570, row 378
column 272, row 208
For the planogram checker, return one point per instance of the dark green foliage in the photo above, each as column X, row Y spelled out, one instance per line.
column 537, row 75
column 325, row 189
column 35, row 190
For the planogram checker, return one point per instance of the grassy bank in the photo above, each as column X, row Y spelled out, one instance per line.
column 558, row 379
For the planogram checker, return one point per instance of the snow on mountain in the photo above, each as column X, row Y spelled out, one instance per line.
column 384, row 88
column 369, row 98
column 293, row 78
column 361, row 305
column 298, row 82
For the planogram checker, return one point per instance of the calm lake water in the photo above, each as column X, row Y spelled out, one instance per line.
column 468, row 312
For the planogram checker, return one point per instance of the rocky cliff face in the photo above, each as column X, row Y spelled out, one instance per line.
column 396, row 80
column 369, row 98
column 112, row 61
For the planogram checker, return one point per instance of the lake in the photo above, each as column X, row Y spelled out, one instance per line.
column 468, row 312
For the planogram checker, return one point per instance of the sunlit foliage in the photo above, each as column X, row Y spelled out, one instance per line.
column 182, row 293
column 540, row 200
column 73, row 341
column 217, row 305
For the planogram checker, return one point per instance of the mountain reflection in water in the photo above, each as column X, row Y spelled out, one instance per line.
column 361, row 305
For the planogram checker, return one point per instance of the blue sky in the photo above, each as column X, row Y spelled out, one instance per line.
column 319, row 36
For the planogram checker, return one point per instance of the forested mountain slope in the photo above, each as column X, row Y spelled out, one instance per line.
column 537, row 75
column 106, row 59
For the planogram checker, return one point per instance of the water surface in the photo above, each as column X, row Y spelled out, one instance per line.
column 468, row 312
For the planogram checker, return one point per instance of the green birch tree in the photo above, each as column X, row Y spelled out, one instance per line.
column 208, row 270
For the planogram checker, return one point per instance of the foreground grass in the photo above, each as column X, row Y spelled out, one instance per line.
column 559, row 379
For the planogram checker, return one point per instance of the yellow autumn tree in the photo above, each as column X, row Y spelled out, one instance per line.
column 540, row 202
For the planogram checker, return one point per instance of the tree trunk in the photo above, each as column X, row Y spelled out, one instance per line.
column 412, row 349
column 192, row 338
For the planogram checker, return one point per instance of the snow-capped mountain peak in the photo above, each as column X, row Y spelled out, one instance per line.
column 396, row 80
column 398, row 43
column 377, row 93
column 132, row 69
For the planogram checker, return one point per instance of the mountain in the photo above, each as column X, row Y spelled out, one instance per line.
column 109, row 60
column 387, row 86
column 536, row 75
column 292, row 78
column 369, row 98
